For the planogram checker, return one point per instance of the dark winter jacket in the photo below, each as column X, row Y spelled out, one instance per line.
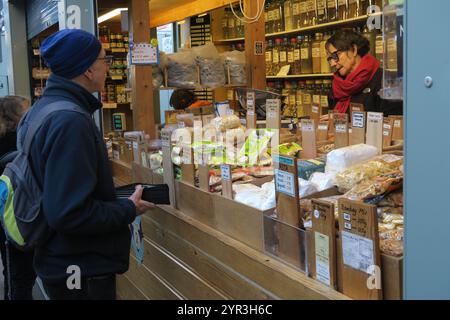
column 69, row 159
column 371, row 100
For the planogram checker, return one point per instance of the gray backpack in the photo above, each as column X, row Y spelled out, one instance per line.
column 20, row 196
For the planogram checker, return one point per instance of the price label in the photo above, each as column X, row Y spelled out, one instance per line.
column 341, row 128
column 307, row 127
column 375, row 116
column 315, row 109
column 358, row 120
column 273, row 108
column 165, row 138
column 250, row 103
column 285, row 182
column 323, row 127
column 226, row 172
column 397, row 123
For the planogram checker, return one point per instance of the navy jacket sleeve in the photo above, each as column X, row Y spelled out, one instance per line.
column 71, row 178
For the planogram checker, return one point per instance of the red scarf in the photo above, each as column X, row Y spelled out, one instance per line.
column 354, row 83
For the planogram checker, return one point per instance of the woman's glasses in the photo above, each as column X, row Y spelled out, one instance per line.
column 334, row 56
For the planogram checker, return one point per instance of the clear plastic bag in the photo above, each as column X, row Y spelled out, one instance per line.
column 349, row 178
column 234, row 63
column 343, row 158
column 226, row 123
column 208, row 60
column 182, row 70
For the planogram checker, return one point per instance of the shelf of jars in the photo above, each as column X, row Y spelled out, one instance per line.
column 299, row 76
column 322, row 26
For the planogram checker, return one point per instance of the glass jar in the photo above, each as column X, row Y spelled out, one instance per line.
column 324, row 64
column 332, row 10
column 353, row 9
column 315, row 107
column 297, row 56
column 306, row 58
column 276, row 57
column 304, row 17
column 299, row 99
column 283, row 53
column 379, row 48
column 231, row 25
column 291, row 55
column 288, row 15
column 296, row 14
column 342, row 10
column 322, row 16
column 268, row 16
column 307, row 97
column 311, row 11
column 316, row 54
column 269, row 58
column 278, row 23
column 326, row 89
column 363, row 5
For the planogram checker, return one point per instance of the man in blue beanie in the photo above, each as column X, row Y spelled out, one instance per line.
column 89, row 227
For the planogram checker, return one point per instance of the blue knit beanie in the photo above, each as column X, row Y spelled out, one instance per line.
column 70, row 52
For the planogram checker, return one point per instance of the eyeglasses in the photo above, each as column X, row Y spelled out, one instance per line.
column 334, row 56
column 106, row 59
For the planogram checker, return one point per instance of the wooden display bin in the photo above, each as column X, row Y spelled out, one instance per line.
column 391, row 274
column 239, row 221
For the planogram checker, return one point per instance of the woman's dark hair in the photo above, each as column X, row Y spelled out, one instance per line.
column 11, row 111
column 181, row 99
column 345, row 39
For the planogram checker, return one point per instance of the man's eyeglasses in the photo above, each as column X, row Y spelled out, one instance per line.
column 106, row 59
column 334, row 56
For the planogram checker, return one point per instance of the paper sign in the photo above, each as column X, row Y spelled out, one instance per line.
column 250, row 103
column 358, row 120
column 284, row 71
column 307, row 126
column 165, row 138
column 357, row 251
column 375, row 116
column 144, row 54
column 137, row 240
column 226, row 174
column 341, row 128
column 323, row 127
column 273, row 108
column 322, row 258
column 285, row 182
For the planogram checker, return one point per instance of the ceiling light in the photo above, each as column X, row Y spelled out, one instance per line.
column 202, row 15
column 181, row 22
column 111, row 14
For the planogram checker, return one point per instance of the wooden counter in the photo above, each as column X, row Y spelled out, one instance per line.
column 186, row 259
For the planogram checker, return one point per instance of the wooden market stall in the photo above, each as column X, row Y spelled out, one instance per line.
column 208, row 246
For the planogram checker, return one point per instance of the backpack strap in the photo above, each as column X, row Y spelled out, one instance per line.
column 39, row 118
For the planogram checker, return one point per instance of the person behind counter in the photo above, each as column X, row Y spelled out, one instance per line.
column 358, row 75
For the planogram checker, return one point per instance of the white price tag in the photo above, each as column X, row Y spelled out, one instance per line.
column 116, row 155
column 165, row 138
column 307, row 127
column 341, row 128
column 374, row 116
column 397, row 123
column 387, row 126
column 315, row 109
column 226, row 172
column 358, row 120
column 135, row 145
column 357, row 251
column 386, row 133
column 285, row 182
column 323, row 127
column 323, row 273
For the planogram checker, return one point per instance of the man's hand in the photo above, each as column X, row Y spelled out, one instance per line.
column 141, row 205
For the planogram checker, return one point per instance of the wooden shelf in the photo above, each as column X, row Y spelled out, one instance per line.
column 323, row 26
column 228, row 40
column 298, row 76
column 114, row 105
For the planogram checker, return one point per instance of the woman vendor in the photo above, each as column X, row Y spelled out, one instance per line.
column 358, row 75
